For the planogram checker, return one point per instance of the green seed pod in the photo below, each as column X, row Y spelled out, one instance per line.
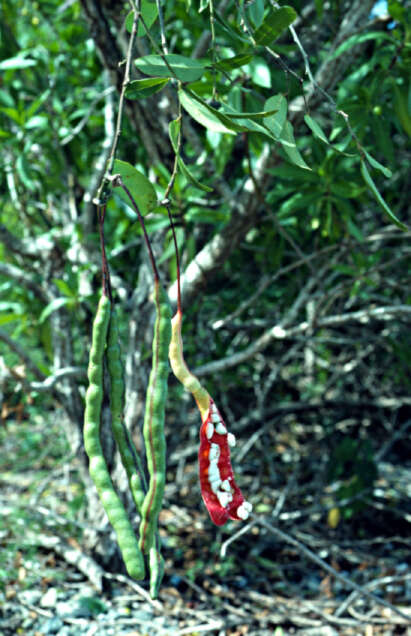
column 128, row 453
column 156, row 563
column 98, row 469
column 154, row 420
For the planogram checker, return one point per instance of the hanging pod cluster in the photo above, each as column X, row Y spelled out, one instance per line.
column 221, row 495
column 147, row 497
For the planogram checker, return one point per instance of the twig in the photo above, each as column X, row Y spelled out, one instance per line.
column 265, row 282
column 385, row 580
column 21, row 352
column 140, row 590
column 24, row 279
column 235, row 536
column 162, row 29
column 126, row 80
column 65, row 372
column 101, row 162
column 324, row 566
column 77, row 129
column 81, row 561
column 278, row 332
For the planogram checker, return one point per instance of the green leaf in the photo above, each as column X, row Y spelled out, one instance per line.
column 274, row 24
column 145, row 87
column 191, row 178
column 14, row 114
column 141, row 189
column 5, row 318
column 64, row 288
column 37, row 103
column 23, row 170
column 259, row 72
column 55, row 304
column 357, row 39
column 288, row 142
column 378, row 166
column 16, row 63
column 232, row 34
column 37, row 121
column 207, row 116
column 149, row 12
column 316, row 128
column 184, row 68
column 276, row 123
column 252, row 116
column 256, row 12
column 355, row 231
column 231, row 63
column 174, row 128
column 319, row 7
column 368, row 180
column 246, row 122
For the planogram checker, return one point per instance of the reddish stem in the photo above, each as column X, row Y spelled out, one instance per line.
column 143, row 227
column 104, row 264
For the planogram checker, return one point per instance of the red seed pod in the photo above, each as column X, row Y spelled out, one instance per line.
column 221, row 495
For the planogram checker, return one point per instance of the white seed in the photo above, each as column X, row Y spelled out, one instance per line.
column 215, row 484
column 209, row 430
column 223, row 498
column 242, row 512
column 216, row 418
column 213, row 472
column 221, row 429
column 225, row 485
column 214, row 453
column 231, row 439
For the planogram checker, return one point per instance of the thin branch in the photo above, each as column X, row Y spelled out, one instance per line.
column 77, row 129
column 265, row 282
column 302, row 549
column 24, row 279
column 22, row 354
column 278, row 332
column 66, row 372
column 385, row 580
column 126, row 81
column 162, row 29
column 100, row 165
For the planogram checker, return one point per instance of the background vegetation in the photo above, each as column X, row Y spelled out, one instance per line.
column 296, row 290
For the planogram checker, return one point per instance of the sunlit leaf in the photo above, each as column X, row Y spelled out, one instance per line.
column 145, row 87
column 274, row 24
column 16, row 63
column 276, row 122
column 288, row 142
column 184, row 68
column 357, row 39
column 378, row 166
column 233, row 62
column 316, row 128
column 256, row 12
column 207, row 116
column 53, row 306
column 149, row 12
column 141, row 189
column 253, row 116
